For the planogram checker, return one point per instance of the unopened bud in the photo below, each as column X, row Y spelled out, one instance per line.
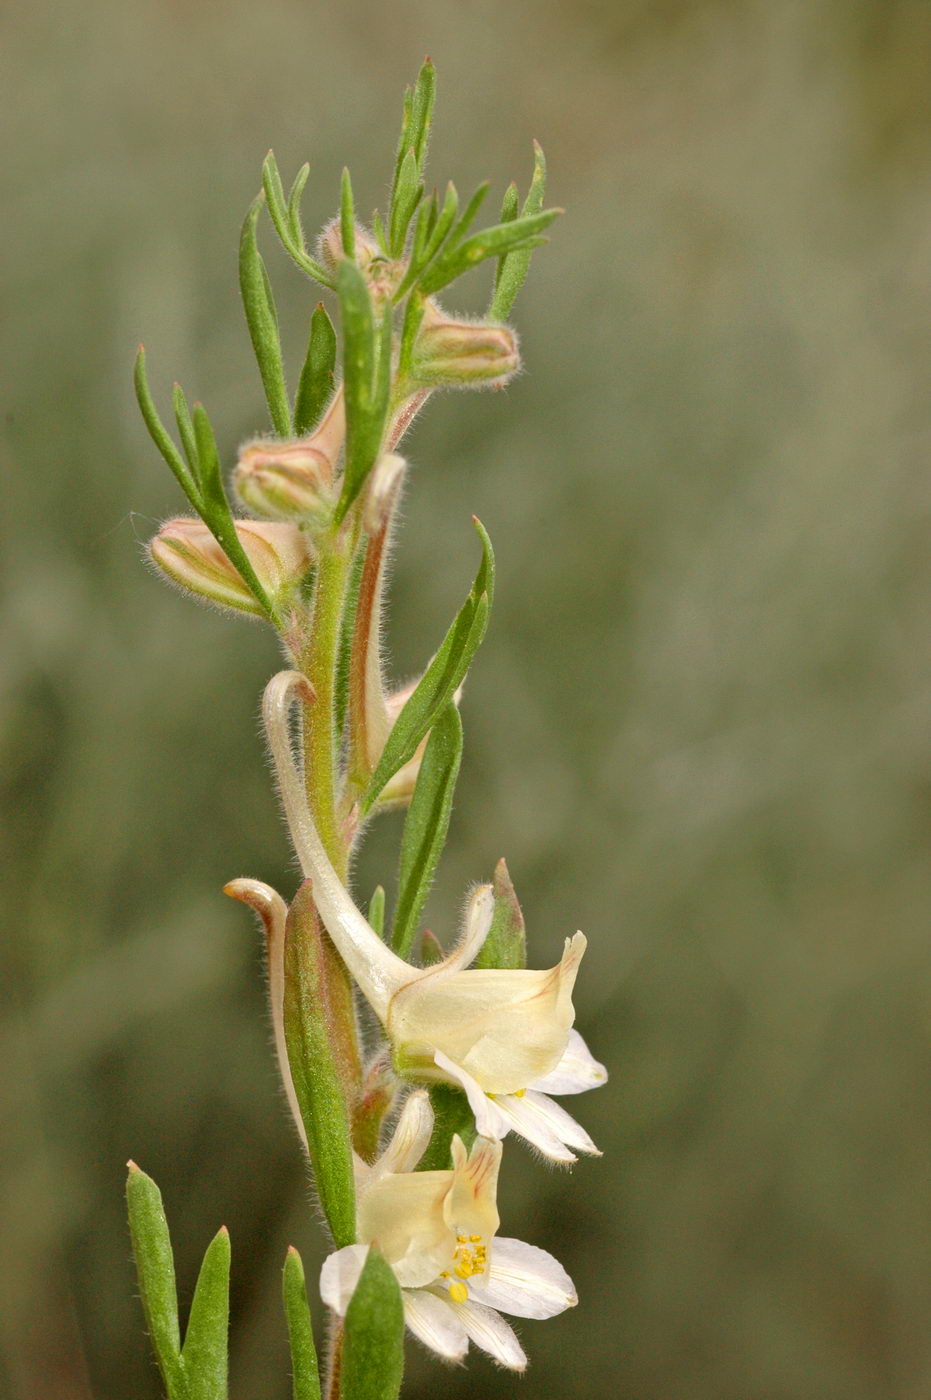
column 188, row 553
column 463, row 354
column 330, row 246
column 285, row 481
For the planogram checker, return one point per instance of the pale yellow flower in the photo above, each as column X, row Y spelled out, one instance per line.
column 438, row 1232
column 504, row 1036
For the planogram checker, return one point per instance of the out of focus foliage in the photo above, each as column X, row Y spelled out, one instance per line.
column 698, row 728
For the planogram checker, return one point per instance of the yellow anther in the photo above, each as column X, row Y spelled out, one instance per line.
column 475, row 1239
column 458, row 1292
column 444, row 1274
column 462, row 1270
column 462, row 1239
column 519, row 1093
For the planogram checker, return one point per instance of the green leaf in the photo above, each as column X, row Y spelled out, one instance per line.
column 366, row 380
column 294, row 204
column 310, row 966
column 155, row 1267
column 304, row 1372
column 426, row 825
column 377, row 910
column 205, row 1342
column 316, row 383
column 215, row 510
column 422, row 111
column 373, row 1344
column 442, row 677
column 285, row 216
column 159, row 435
column 406, row 198
column 512, row 267
column 490, row 242
column 506, row 944
column 451, row 1115
column 262, row 319
column 347, row 215
column 185, row 429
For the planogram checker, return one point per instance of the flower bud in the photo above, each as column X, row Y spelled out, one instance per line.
column 285, row 481
column 462, row 354
column 187, row 552
column 330, row 246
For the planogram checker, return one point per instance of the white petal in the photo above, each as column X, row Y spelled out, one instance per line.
column 488, row 1330
column 526, row 1281
column 411, row 1135
column 340, row 1274
column 577, row 1071
column 433, row 1320
column 561, row 1122
column 489, row 1121
column 526, row 1119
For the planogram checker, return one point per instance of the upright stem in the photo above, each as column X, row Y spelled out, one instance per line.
column 318, row 661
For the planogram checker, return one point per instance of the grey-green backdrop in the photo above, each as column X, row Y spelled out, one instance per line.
column 698, row 728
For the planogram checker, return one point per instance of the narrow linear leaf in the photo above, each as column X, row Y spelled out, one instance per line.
column 294, row 205
column 490, row 242
column 366, row 380
column 426, row 825
column 422, row 105
column 185, row 429
column 513, row 267
column 378, row 228
column 304, row 1370
column 262, row 319
column 156, row 1271
column 205, row 1343
column 215, row 510
column 406, row 198
column 159, row 435
column 413, row 315
column 442, row 677
column 313, row 976
column 315, row 387
column 373, row 1345
column 283, row 218
column 347, row 215
column 461, row 226
column 376, row 915
column 506, row 944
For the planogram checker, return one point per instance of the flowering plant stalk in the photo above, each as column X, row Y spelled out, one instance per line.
column 403, row 1131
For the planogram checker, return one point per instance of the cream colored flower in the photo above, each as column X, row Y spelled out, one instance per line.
column 438, row 1232
column 189, row 554
column 504, row 1036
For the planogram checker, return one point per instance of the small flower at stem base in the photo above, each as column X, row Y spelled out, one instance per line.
column 438, row 1232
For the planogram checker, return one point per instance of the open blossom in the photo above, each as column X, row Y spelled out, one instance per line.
column 503, row 1035
column 438, row 1232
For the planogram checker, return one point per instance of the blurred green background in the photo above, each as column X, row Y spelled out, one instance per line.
column 698, row 728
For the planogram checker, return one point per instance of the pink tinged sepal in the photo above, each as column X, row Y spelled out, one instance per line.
column 187, row 552
column 455, row 353
column 286, row 481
